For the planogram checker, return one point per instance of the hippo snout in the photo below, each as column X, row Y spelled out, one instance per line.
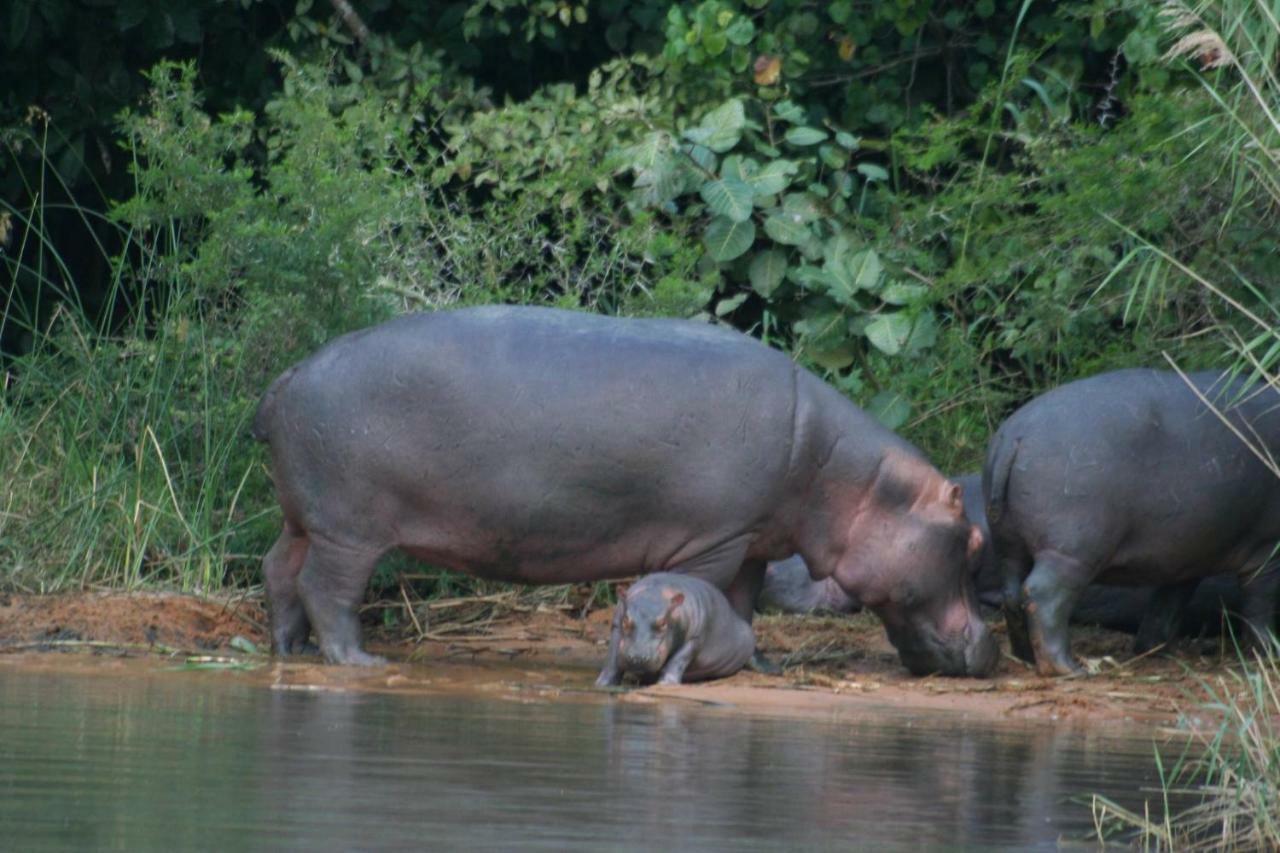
column 973, row 652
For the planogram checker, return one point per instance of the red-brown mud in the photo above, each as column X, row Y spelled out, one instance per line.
column 831, row 664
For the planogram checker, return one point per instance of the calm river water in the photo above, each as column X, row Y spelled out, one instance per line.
column 176, row 761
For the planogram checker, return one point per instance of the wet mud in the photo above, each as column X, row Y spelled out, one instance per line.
column 831, row 665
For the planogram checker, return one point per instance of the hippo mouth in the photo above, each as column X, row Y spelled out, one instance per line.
column 974, row 653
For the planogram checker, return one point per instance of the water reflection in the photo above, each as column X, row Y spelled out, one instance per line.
column 214, row 762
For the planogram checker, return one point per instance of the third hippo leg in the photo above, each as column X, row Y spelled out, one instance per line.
column 611, row 675
column 1015, row 618
column 332, row 583
column 673, row 669
column 743, row 592
column 280, row 567
column 1051, row 592
column 1260, row 590
column 1162, row 620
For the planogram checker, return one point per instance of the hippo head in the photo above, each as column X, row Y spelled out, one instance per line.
column 648, row 634
column 908, row 556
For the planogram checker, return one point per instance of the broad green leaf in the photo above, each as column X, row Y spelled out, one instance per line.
column 832, row 156
column 726, row 239
column 721, row 128
column 810, row 277
column 872, row 172
column 888, row 332
column 803, row 206
column 737, row 166
column 924, row 333
column 787, row 229
column 890, row 408
column 728, row 306
column 773, row 178
column 646, row 153
column 788, row 111
column 899, row 293
column 866, row 269
column 703, row 156
column 767, row 270
column 833, row 358
column 729, row 197
column 805, row 136
column 741, row 31
column 847, row 141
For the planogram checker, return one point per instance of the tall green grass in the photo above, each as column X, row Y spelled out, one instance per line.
column 1230, row 774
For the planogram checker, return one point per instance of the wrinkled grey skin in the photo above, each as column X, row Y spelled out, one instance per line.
column 1127, row 478
column 545, row 446
column 789, row 588
column 675, row 628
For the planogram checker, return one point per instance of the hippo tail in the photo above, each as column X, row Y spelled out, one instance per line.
column 262, row 419
column 995, row 475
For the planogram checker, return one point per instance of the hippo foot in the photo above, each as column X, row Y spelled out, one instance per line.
column 354, row 657
column 305, row 648
column 761, row 664
column 1019, row 633
column 608, row 679
column 669, row 679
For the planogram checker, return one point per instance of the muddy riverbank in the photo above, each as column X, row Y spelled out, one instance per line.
column 527, row 650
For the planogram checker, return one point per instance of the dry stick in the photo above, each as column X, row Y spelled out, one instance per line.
column 409, row 607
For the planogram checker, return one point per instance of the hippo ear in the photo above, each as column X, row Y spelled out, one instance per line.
column 953, row 495
column 676, row 601
column 975, row 541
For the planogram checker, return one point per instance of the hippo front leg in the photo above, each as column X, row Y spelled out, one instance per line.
column 1050, row 592
column 611, row 674
column 673, row 669
column 743, row 593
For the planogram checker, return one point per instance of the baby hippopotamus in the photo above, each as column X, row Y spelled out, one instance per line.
column 673, row 628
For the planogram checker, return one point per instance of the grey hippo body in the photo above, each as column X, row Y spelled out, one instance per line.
column 675, row 628
column 1129, row 478
column 544, row 446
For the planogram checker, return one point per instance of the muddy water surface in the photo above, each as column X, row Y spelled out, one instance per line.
column 153, row 759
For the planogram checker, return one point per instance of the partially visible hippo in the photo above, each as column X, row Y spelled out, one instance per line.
column 1160, row 614
column 675, row 628
column 1129, row 478
column 545, row 446
column 789, row 588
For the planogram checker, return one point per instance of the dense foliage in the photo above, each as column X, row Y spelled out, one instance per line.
column 942, row 207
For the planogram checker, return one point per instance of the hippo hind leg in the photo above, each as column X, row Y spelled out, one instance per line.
column 1261, row 594
column 1050, row 593
column 332, row 584
column 1162, row 620
column 1013, row 570
column 280, row 567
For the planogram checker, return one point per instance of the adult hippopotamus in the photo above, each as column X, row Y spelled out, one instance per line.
column 675, row 628
column 546, row 446
column 1132, row 478
column 789, row 588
